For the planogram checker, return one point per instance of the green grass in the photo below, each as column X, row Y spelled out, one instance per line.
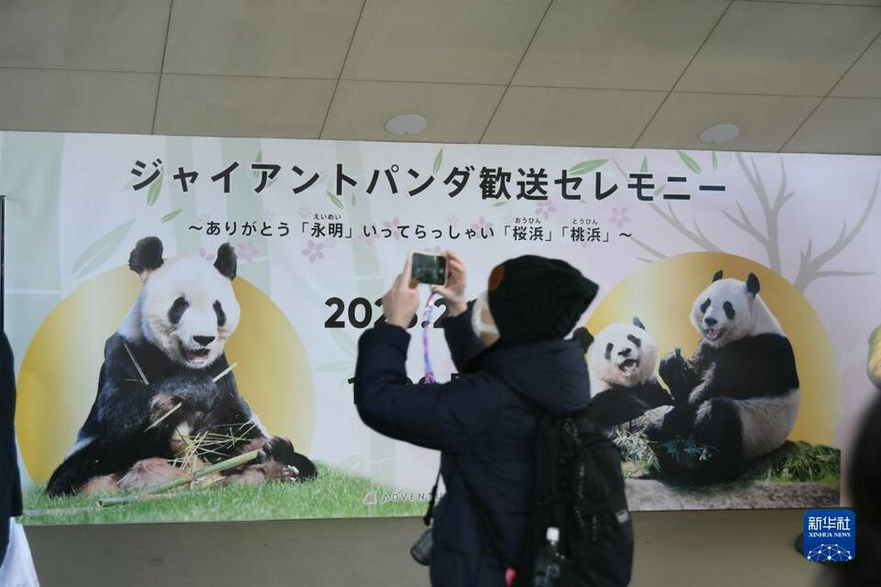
column 798, row 462
column 334, row 494
column 794, row 462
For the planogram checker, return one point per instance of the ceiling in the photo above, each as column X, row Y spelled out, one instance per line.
column 799, row 76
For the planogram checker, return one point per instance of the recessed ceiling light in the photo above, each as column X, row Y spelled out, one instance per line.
column 719, row 133
column 406, row 124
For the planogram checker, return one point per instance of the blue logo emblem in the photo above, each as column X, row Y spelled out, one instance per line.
column 830, row 536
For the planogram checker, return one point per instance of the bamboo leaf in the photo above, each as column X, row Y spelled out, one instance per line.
column 155, row 189
column 101, row 250
column 660, row 189
column 171, row 215
column 586, row 167
column 354, row 202
column 689, row 162
column 257, row 159
column 336, row 201
column 645, row 165
column 336, row 366
column 502, row 203
column 437, row 160
column 343, row 342
column 715, row 161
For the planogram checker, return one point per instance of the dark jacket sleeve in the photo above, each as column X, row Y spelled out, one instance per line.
column 437, row 416
column 10, row 484
column 463, row 343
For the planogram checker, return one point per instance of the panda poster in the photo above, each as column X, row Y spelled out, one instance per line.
column 185, row 313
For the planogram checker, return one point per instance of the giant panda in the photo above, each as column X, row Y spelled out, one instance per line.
column 166, row 355
column 738, row 394
column 624, row 389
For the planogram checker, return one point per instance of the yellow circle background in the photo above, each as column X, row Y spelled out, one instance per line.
column 662, row 295
column 59, row 374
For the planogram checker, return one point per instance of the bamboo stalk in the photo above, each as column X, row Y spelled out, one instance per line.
column 182, row 480
column 223, row 373
column 135, row 361
column 164, row 416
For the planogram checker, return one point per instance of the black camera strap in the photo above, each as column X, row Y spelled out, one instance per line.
column 429, row 514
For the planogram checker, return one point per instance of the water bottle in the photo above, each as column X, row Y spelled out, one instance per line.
column 547, row 563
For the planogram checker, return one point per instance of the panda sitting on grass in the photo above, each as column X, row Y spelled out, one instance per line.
column 624, row 389
column 157, row 387
column 738, row 395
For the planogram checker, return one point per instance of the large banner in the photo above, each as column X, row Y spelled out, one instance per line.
column 185, row 314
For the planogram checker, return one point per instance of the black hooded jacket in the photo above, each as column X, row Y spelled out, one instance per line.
column 10, row 485
column 482, row 422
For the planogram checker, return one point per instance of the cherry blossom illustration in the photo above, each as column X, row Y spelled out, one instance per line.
column 481, row 223
column 313, row 251
column 545, row 209
column 393, row 225
column 619, row 217
column 206, row 255
column 305, row 212
column 247, row 251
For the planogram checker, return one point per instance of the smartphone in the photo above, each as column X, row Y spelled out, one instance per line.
column 427, row 268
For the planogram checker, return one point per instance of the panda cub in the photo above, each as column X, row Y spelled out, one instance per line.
column 624, row 389
column 165, row 356
column 738, row 394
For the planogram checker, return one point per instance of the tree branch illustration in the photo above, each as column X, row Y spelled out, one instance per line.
column 770, row 238
column 696, row 236
column 647, row 248
column 810, row 267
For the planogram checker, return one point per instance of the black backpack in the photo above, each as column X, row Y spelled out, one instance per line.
column 578, row 487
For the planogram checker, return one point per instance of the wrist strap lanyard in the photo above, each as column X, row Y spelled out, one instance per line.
column 427, row 315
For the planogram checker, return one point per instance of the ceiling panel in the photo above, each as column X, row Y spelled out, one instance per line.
column 77, row 101
column 457, row 41
column 864, row 79
column 242, row 106
column 622, row 44
column 115, row 35
column 765, row 122
column 455, row 113
column 841, row 125
column 562, row 116
column 847, row 2
column 796, row 49
column 267, row 38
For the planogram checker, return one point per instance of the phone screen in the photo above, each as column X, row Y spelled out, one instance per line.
column 430, row 269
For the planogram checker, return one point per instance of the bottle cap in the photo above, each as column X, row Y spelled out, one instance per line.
column 553, row 534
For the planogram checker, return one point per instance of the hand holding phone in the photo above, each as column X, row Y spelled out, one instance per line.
column 428, row 268
column 453, row 290
column 401, row 300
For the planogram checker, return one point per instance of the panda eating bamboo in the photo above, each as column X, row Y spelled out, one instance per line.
column 165, row 381
column 739, row 393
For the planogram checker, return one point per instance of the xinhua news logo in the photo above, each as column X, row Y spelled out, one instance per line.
column 830, row 536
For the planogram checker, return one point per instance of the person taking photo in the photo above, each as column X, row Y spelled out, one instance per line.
column 510, row 350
